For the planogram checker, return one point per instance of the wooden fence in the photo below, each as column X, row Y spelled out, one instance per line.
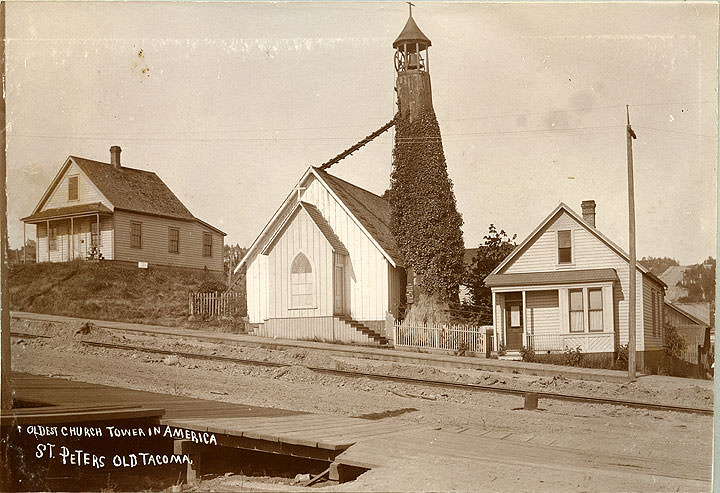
column 227, row 304
column 453, row 337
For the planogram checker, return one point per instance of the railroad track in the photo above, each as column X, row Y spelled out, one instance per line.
column 396, row 379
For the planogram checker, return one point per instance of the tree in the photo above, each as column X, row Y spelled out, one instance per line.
column 232, row 255
column 496, row 246
column 699, row 280
column 425, row 220
column 658, row 265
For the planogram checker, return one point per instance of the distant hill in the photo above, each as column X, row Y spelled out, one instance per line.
column 108, row 291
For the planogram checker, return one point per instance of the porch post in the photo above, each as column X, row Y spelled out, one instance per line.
column 72, row 238
column 97, row 238
column 47, row 230
column 25, row 243
column 524, row 320
column 494, row 314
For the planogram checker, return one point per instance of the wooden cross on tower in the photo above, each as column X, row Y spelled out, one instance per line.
column 411, row 5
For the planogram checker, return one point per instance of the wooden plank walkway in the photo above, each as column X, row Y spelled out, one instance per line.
column 258, row 424
column 507, row 449
column 62, row 392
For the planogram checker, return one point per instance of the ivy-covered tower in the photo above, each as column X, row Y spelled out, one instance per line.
column 425, row 220
column 412, row 64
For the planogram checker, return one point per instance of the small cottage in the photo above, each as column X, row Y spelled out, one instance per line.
column 105, row 210
column 566, row 286
column 326, row 265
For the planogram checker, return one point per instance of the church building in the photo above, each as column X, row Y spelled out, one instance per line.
column 326, row 265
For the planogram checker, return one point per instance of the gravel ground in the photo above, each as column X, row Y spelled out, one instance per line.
column 610, row 429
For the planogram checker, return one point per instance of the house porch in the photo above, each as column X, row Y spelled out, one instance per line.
column 549, row 319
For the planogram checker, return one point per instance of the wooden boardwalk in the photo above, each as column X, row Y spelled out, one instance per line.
column 239, row 425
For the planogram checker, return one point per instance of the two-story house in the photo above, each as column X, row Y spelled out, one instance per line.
column 94, row 209
column 566, row 286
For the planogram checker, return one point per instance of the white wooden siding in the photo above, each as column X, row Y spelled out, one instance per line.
column 87, row 192
column 300, row 235
column 155, row 242
column 542, row 312
column 366, row 269
column 589, row 252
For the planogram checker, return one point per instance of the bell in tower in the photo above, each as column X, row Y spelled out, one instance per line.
column 412, row 65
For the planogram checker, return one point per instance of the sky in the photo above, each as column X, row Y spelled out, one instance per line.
column 229, row 103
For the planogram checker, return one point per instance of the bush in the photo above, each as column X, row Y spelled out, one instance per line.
column 528, row 354
column 675, row 344
column 621, row 362
column 573, row 356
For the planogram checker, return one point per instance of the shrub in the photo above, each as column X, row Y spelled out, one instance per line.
column 621, row 362
column 501, row 350
column 675, row 344
column 572, row 356
column 528, row 354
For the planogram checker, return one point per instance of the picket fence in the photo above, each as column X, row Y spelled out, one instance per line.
column 226, row 304
column 453, row 337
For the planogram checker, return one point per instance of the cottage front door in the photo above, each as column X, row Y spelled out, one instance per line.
column 513, row 324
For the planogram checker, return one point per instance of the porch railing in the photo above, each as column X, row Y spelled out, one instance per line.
column 601, row 342
column 453, row 337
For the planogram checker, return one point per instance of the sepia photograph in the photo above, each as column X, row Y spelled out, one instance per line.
column 358, row 246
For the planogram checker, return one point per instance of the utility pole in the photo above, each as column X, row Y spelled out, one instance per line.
column 633, row 260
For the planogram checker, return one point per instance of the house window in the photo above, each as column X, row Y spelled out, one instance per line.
column 595, row 310
column 73, row 188
column 173, row 240
column 564, row 246
column 577, row 313
column 52, row 238
column 94, row 235
column 301, row 282
column 207, row 245
column 136, row 235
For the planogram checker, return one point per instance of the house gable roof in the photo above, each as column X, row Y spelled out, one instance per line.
column 133, row 189
column 690, row 316
column 522, row 247
column 369, row 211
column 127, row 189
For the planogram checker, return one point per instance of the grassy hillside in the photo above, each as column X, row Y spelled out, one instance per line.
column 107, row 291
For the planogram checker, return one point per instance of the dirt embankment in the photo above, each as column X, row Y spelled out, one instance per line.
column 655, row 389
column 107, row 291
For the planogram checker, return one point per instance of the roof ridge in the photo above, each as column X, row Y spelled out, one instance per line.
column 348, row 183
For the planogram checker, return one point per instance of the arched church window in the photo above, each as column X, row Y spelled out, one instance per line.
column 301, row 282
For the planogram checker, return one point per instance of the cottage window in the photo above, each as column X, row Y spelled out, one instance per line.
column 136, row 235
column 73, row 188
column 52, row 238
column 595, row 310
column 301, row 282
column 564, row 240
column 207, row 245
column 173, row 240
column 577, row 313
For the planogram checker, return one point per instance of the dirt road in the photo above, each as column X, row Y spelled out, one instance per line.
column 681, row 441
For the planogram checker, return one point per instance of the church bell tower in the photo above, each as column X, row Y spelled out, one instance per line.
column 412, row 64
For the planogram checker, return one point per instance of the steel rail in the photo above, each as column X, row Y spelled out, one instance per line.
column 398, row 379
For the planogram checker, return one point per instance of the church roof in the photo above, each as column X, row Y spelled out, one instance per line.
column 411, row 33
column 371, row 210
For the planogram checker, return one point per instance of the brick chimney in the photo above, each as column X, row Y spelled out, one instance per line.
column 588, row 211
column 115, row 157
